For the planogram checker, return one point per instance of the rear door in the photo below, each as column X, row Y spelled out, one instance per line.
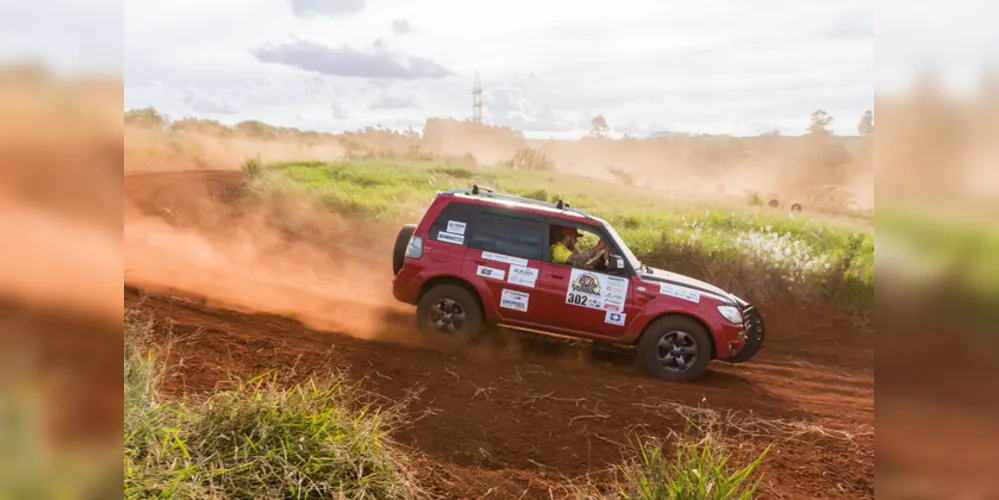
column 505, row 251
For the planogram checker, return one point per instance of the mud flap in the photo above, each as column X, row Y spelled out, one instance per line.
column 755, row 333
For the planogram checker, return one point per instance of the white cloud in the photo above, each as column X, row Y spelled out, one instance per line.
column 401, row 27
column 376, row 62
column 327, row 8
column 723, row 66
column 394, row 101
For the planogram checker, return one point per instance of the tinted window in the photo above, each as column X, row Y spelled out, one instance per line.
column 506, row 234
column 454, row 215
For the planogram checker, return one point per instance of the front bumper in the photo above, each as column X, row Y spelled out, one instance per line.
column 753, row 333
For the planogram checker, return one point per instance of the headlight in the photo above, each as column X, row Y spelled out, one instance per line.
column 415, row 248
column 731, row 313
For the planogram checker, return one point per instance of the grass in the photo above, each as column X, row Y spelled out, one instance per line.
column 697, row 467
column 757, row 253
column 698, row 471
column 258, row 439
column 253, row 440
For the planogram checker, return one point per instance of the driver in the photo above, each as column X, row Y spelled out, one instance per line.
column 563, row 250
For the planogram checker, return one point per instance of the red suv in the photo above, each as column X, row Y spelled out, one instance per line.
column 478, row 257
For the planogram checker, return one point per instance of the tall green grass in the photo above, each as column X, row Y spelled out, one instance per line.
column 699, row 470
column 755, row 252
column 253, row 440
column 697, row 467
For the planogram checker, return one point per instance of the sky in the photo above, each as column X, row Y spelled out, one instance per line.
column 709, row 66
column 548, row 68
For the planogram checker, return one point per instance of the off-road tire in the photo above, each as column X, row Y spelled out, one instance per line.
column 401, row 242
column 681, row 331
column 470, row 314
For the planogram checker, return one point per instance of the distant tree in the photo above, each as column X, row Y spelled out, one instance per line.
column 146, row 117
column 598, row 127
column 820, row 123
column 866, row 125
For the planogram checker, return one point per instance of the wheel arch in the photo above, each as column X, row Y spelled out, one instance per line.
column 699, row 321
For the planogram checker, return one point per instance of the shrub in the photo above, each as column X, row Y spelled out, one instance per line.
column 255, row 440
column 530, row 160
column 698, row 471
column 252, row 168
column 456, row 172
column 622, row 176
column 538, row 194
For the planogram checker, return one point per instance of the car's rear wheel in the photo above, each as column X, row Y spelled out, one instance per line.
column 674, row 348
column 401, row 242
column 449, row 314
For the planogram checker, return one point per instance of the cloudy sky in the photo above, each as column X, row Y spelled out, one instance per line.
column 717, row 66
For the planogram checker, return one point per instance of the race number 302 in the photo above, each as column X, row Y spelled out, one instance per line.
column 577, row 299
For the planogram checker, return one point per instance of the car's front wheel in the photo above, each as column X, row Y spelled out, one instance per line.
column 674, row 348
column 449, row 314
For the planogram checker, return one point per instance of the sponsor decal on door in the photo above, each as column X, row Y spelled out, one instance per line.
column 491, row 272
column 615, row 318
column 498, row 257
column 512, row 299
column 525, row 276
column 596, row 290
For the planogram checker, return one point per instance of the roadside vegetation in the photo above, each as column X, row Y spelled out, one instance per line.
column 256, row 439
column 761, row 253
column 261, row 438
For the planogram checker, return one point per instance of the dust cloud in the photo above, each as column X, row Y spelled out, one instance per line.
column 339, row 279
column 59, row 185
column 156, row 150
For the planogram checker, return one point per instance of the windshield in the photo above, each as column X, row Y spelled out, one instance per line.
column 630, row 257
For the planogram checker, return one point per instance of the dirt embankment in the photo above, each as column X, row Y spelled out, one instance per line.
column 512, row 417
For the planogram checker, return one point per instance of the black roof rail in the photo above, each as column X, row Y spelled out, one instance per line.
column 490, row 193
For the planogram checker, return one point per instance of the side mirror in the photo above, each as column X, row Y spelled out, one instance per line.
column 616, row 263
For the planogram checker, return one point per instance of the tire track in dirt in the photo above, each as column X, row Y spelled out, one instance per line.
column 516, row 414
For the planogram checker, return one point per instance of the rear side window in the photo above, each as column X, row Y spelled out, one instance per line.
column 508, row 234
column 454, row 223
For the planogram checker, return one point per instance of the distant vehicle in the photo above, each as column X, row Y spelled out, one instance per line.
column 478, row 257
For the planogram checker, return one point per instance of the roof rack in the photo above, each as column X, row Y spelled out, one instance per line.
column 490, row 193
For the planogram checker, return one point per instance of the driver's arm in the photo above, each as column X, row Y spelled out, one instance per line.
column 580, row 258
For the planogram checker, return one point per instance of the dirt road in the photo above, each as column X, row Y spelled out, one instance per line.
column 512, row 417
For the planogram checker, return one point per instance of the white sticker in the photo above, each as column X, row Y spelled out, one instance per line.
column 491, row 272
column 679, row 292
column 526, row 276
column 498, row 257
column 515, row 300
column 615, row 318
column 457, row 239
column 456, row 227
column 596, row 290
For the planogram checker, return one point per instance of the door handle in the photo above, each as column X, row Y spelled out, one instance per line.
column 557, row 276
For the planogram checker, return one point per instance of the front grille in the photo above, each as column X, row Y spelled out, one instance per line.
column 752, row 322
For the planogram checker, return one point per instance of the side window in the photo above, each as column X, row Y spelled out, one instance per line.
column 506, row 234
column 582, row 240
column 454, row 223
